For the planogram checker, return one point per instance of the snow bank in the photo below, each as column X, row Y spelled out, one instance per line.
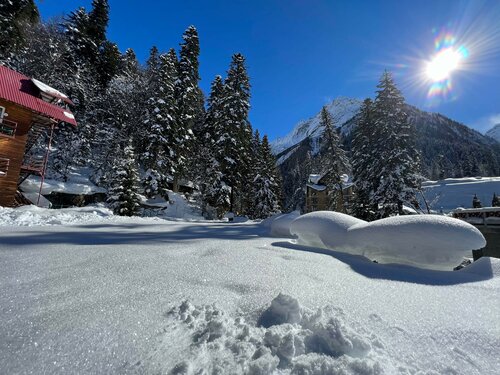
column 428, row 241
column 323, row 228
column 294, row 340
column 279, row 225
column 33, row 215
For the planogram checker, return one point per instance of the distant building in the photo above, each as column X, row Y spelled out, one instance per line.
column 317, row 198
column 29, row 110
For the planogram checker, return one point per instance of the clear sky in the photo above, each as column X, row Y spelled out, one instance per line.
column 303, row 53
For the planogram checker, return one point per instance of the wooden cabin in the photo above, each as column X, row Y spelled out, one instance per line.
column 29, row 110
column 317, row 195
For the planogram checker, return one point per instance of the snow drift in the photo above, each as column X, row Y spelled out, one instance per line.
column 279, row 225
column 428, row 241
column 323, row 228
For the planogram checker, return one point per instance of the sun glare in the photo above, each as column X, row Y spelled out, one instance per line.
column 441, row 66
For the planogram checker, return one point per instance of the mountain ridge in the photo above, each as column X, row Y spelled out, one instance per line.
column 448, row 148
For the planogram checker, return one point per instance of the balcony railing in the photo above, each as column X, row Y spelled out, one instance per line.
column 7, row 128
column 33, row 165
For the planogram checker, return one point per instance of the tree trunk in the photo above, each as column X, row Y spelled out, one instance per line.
column 175, row 184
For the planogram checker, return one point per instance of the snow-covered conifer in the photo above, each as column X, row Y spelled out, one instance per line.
column 362, row 158
column 397, row 162
column 123, row 193
column 190, row 102
column 235, row 139
column 161, row 146
column 266, row 197
column 334, row 162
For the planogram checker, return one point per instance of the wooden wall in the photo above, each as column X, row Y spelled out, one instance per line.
column 13, row 149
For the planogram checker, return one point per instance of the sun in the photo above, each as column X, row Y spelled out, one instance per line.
column 444, row 62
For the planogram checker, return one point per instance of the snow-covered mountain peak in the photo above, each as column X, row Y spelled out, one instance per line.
column 342, row 109
column 494, row 132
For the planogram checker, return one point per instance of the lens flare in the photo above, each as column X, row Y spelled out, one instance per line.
column 447, row 58
column 443, row 64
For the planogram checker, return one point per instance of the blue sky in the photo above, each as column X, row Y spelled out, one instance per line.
column 302, row 54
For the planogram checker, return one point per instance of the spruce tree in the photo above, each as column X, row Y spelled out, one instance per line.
column 362, row 158
column 123, row 194
column 161, row 146
column 214, row 192
column 236, row 137
column 397, row 161
column 495, row 201
column 265, row 184
column 334, row 162
column 16, row 18
column 190, row 101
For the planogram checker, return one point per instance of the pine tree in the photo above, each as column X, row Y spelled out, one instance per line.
column 130, row 65
column 265, row 184
column 190, row 101
column 495, row 202
column 214, row 192
column 397, row 162
column 161, row 146
column 16, row 18
column 153, row 66
column 123, row 194
column 362, row 158
column 235, row 139
column 334, row 162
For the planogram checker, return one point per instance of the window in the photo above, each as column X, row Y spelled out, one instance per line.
column 7, row 128
column 4, row 166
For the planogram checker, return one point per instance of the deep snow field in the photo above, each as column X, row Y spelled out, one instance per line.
column 88, row 292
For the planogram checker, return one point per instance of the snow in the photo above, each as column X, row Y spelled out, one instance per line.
column 342, row 110
column 323, row 229
column 316, row 187
column 494, row 132
column 78, row 183
column 38, row 216
column 141, row 295
column 48, row 90
column 314, row 178
column 427, row 241
column 446, row 195
column 279, row 225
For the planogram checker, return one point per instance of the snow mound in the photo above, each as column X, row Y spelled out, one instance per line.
column 323, row 228
column 428, row 241
column 34, row 216
column 279, row 225
column 298, row 341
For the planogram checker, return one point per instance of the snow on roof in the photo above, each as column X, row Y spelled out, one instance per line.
column 316, row 187
column 315, row 178
column 51, row 91
column 21, row 90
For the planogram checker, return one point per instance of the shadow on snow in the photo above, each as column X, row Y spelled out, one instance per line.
column 129, row 233
column 399, row 272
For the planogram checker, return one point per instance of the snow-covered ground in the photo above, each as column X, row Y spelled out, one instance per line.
column 141, row 295
column 446, row 195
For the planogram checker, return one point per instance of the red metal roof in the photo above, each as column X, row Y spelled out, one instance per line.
column 19, row 89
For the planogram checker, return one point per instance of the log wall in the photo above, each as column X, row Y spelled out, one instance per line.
column 13, row 149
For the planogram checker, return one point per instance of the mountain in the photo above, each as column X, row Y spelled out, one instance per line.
column 342, row 109
column 448, row 148
column 494, row 132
